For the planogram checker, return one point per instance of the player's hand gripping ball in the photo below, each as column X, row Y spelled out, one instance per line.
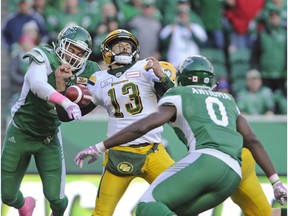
column 79, row 94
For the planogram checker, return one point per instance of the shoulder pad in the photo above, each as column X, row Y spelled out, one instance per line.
column 35, row 55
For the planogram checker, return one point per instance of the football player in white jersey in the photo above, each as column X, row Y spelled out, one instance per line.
column 128, row 90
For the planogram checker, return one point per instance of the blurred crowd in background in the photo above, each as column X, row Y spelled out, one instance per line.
column 245, row 40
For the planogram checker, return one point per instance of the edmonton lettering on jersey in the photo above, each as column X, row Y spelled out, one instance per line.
column 210, row 93
column 119, row 82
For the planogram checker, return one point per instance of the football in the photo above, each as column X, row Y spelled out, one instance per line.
column 79, row 94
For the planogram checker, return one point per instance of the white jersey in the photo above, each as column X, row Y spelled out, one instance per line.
column 128, row 95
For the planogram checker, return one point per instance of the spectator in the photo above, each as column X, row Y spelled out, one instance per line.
column 13, row 25
column 256, row 99
column 269, row 53
column 50, row 15
column 31, row 28
column 211, row 14
column 91, row 9
column 73, row 15
column 20, row 65
column 279, row 5
column 181, row 38
column 148, row 39
column 240, row 14
column 108, row 25
column 280, row 97
column 109, row 9
column 130, row 9
column 170, row 8
column 18, row 69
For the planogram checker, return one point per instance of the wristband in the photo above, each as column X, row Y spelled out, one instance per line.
column 101, row 147
column 274, row 178
column 163, row 78
column 57, row 98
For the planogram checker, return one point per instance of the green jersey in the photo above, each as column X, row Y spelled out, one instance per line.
column 38, row 117
column 205, row 119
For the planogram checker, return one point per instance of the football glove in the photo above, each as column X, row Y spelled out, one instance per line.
column 280, row 191
column 92, row 151
column 72, row 109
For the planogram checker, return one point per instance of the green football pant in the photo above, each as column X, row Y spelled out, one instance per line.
column 196, row 183
column 17, row 152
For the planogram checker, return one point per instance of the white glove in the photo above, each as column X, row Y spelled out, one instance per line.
column 72, row 109
column 280, row 191
column 93, row 151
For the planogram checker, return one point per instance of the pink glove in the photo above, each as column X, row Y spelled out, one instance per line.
column 74, row 112
column 280, row 192
column 72, row 109
column 93, row 151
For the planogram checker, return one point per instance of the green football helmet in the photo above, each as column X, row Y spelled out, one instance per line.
column 196, row 70
column 76, row 36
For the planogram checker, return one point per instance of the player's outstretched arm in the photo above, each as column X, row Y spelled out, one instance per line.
column 131, row 132
column 261, row 157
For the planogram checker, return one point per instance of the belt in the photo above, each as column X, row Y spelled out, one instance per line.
column 154, row 148
column 45, row 141
column 140, row 145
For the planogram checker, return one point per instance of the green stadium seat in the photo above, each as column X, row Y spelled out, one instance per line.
column 217, row 58
column 239, row 62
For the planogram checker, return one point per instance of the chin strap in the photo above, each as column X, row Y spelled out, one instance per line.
column 215, row 86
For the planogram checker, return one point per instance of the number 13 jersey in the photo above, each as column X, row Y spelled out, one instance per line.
column 128, row 94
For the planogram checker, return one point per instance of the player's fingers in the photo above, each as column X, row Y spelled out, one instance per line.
column 81, row 163
column 78, row 156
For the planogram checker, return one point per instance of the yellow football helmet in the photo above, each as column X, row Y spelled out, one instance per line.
column 169, row 70
column 114, row 37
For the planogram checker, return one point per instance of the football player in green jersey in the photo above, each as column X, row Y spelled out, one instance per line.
column 34, row 129
column 213, row 130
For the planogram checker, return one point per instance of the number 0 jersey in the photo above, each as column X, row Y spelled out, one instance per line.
column 128, row 94
column 205, row 119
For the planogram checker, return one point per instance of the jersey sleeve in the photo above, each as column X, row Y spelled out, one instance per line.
column 160, row 86
column 170, row 99
column 37, row 78
column 91, row 85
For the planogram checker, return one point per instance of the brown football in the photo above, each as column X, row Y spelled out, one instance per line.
column 79, row 94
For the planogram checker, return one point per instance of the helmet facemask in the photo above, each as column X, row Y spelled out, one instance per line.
column 73, row 46
column 123, row 58
column 67, row 57
column 115, row 37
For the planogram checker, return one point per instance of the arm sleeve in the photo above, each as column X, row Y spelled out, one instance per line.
column 37, row 77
